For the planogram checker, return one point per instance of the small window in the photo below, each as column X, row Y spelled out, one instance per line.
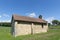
column 18, row 22
column 42, row 26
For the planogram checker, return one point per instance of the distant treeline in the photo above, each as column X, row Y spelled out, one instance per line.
column 6, row 24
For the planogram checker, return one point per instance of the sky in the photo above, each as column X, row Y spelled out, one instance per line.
column 49, row 9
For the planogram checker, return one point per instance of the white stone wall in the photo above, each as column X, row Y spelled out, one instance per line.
column 37, row 28
column 27, row 28
column 22, row 29
column 45, row 29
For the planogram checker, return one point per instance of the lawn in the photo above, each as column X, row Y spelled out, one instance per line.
column 52, row 34
column 5, row 33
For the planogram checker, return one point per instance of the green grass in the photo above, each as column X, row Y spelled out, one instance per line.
column 55, row 27
column 52, row 34
column 5, row 33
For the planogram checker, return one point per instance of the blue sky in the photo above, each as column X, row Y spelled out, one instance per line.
column 49, row 9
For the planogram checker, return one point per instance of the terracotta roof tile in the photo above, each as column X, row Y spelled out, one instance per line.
column 29, row 19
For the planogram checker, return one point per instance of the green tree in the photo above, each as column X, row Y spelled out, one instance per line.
column 40, row 16
column 55, row 22
column 59, row 23
column 49, row 24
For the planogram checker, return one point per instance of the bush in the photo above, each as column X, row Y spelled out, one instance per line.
column 5, row 24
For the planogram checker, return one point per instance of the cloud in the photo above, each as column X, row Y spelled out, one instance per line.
column 0, row 16
column 5, row 20
column 5, row 15
column 49, row 19
column 32, row 14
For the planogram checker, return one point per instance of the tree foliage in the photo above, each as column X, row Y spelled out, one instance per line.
column 49, row 24
column 40, row 16
column 6, row 24
column 55, row 22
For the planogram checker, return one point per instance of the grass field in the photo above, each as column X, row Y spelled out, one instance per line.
column 5, row 33
column 52, row 34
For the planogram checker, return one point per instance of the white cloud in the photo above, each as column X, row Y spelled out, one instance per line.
column 49, row 19
column 5, row 20
column 32, row 14
column 5, row 15
column 0, row 21
column 0, row 16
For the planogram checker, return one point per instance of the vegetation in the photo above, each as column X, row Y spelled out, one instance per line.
column 52, row 34
column 5, row 24
column 5, row 33
column 49, row 24
column 40, row 16
column 55, row 22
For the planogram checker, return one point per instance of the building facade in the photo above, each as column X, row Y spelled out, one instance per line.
column 22, row 25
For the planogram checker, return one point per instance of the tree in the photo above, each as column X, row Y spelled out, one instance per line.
column 55, row 22
column 40, row 16
column 49, row 24
column 59, row 23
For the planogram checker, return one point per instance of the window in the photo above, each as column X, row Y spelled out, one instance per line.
column 42, row 26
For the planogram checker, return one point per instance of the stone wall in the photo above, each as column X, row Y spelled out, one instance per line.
column 45, row 29
column 37, row 28
column 24, row 28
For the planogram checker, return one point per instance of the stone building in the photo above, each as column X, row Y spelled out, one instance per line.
column 22, row 25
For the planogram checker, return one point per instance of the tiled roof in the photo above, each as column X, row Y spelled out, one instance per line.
column 28, row 19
